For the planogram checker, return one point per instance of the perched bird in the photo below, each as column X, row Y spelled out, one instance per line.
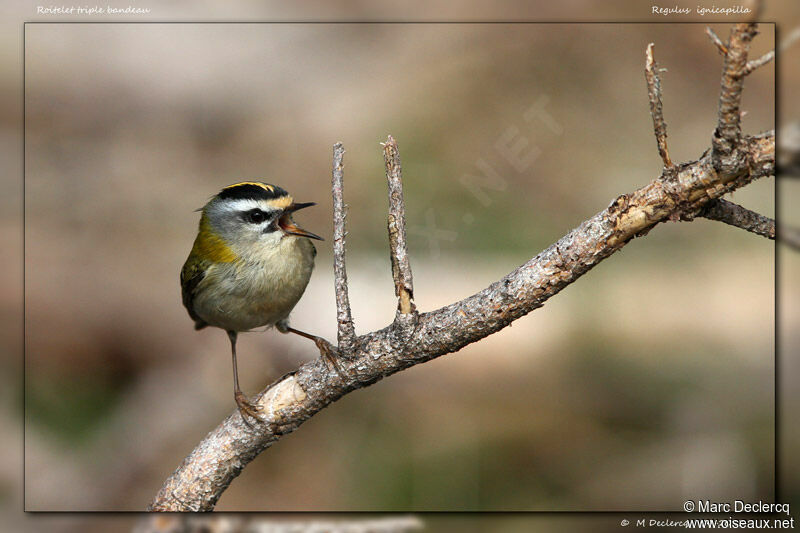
column 249, row 266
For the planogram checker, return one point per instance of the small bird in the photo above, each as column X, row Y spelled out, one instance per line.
column 249, row 266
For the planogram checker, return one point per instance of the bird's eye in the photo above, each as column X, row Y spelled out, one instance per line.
column 256, row 216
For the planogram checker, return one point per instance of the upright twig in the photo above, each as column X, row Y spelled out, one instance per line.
column 721, row 48
column 344, row 318
column 656, row 111
column 726, row 151
column 398, row 248
column 741, row 217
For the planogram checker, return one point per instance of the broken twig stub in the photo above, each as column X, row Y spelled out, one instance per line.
column 398, row 247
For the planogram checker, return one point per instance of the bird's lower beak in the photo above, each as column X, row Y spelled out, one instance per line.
column 288, row 226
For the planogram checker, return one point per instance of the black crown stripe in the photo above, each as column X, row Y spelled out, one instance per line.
column 254, row 191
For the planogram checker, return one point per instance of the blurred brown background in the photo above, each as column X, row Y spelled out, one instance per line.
column 647, row 382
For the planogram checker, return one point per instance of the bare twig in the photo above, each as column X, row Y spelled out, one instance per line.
column 760, row 62
column 721, row 48
column 793, row 36
column 654, row 93
column 726, row 152
column 398, row 248
column 736, row 215
column 344, row 318
column 769, row 56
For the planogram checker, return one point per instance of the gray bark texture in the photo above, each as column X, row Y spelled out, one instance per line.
column 656, row 111
column 346, row 330
column 736, row 215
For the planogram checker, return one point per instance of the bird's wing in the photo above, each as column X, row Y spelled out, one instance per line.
column 191, row 276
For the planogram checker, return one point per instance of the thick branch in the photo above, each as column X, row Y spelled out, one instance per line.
column 398, row 248
column 683, row 193
column 736, row 215
column 654, row 94
column 344, row 318
column 726, row 152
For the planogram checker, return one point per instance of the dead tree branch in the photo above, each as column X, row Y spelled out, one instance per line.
column 344, row 318
column 680, row 193
column 208, row 470
column 654, row 94
column 736, row 215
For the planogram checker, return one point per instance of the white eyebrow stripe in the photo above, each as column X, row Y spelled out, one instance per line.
column 246, row 204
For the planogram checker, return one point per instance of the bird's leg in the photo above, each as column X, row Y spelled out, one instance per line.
column 245, row 407
column 324, row 347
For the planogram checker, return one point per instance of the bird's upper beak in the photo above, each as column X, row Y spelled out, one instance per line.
column 288, row 226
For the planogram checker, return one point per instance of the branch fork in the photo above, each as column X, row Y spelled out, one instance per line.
column 729, row 155
column 727, row 151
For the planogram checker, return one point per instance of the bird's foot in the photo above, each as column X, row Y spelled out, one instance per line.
column 247, row 408
column 329, row 353
column 326, row 349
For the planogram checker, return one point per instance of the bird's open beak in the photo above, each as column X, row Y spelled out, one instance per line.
column 288, row 226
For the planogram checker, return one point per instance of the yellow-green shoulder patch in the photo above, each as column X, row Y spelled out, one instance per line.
column 210, row 246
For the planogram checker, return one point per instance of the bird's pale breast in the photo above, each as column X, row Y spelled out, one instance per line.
column 259, row 289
